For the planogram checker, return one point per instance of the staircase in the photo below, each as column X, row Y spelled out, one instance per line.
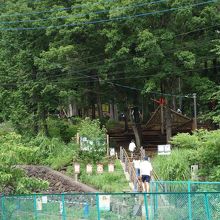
column 130, row 172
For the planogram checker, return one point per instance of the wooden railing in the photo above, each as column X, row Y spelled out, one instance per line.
column 129, row 167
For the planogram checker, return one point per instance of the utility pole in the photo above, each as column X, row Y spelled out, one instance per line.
column 195, row 111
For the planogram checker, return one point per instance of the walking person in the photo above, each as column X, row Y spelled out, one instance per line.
column 132, row 148
column 136, row 163
column 146, row 171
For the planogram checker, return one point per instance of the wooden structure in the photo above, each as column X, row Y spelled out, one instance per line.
column 178, row 122
column 163, row 123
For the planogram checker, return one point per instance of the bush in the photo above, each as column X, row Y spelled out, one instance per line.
column 60, row 128
column 206, row 153
column 185, row 140
column 14, row 152
column 93, row 140
column 54, row 152
column 173, row 167
column 110, row 124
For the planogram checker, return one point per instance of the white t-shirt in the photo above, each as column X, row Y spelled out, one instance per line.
column 136, row 164
column 132, row 146
column 145, row 168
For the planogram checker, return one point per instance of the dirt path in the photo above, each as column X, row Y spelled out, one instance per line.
column 58, row 182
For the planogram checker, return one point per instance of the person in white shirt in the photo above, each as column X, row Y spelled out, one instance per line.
column 145, row 171
column 131, row 148
column 137, row 162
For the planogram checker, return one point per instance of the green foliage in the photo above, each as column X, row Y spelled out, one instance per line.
column 106, row 182
column 54, row 152
column 173, row 167
column 110, row 124
column 51, row 68
column 59, row 128
column 95, row 145
column 205, row 153
column 185, row 140
column 14, row 152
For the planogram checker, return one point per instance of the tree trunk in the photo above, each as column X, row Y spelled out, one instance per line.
column 138, row 134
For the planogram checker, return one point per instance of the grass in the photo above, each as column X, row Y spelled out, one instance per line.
column 106, row 182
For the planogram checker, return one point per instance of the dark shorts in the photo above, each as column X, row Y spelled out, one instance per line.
column 145, row 178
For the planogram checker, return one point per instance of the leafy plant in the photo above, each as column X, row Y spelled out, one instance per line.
column 14, row 152
column 93, row 140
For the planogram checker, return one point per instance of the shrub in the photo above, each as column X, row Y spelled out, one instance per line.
column 173, row 167
column 93, row 138
column 61, row 128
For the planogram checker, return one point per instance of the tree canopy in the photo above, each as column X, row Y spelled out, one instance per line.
column 106, row 51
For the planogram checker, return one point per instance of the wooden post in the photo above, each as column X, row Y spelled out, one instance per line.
column 77, row 138
column 162, row 119
column 107, row 143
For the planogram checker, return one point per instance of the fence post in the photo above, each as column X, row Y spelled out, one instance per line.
column 146, row 206
column 207, row 209
column 156, row 199
column 126, row 164
column 189, row 201
column 35, row 206
column 3, row 207
column 64, row 210
column 121, row 154
column 97, row 206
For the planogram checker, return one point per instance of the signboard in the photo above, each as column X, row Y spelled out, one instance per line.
column 111, row 168
column 164, row 149
column 99, row 168
column 39, row 204
column 104, row 202
column 112, row 152
column 76, row 168
column 44, row 199
column 61, row 208
column 89, row 145
column 105, row 107
column 89, row 168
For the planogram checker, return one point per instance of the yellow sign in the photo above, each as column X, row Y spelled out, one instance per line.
column 105, row 107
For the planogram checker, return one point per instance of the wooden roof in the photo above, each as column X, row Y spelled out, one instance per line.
column 179, row 121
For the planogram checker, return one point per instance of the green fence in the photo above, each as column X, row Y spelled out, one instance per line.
column 162, row 204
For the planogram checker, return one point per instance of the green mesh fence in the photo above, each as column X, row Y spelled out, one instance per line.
column 166, row 201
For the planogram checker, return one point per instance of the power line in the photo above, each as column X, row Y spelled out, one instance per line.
column 58, row 9
column 84, row 14
column 106, row 20
column 102, row 63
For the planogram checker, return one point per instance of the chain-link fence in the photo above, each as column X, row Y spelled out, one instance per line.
column 113, row 206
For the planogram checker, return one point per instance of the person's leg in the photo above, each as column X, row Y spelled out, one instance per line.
column 147, row 187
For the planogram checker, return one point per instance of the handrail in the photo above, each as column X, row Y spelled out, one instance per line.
column 129, row 167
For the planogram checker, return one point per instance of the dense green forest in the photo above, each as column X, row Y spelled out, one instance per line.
column 64, row 60
column 67, row 58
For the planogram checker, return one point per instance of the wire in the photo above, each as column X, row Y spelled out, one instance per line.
column 109, row 81
column 58, row 9
column 105, row 20
column 95, row 66
column 84, row 14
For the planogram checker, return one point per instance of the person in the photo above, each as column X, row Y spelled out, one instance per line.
column 136, row 163
column 132, row 147
column 145, row 171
